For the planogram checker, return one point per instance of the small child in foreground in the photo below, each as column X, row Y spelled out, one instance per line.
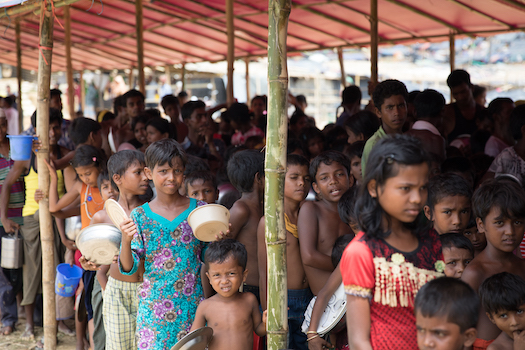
column 448, row 205
column 446, row 315
column 503, row 298
column 458, row 252
column 233, row 316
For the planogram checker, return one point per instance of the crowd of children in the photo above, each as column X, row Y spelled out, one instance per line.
column 423, row 230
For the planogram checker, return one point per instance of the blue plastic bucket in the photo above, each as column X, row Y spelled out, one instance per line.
column 20, row 146
column 67, row 278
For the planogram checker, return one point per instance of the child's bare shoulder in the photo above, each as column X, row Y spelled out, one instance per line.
column 101, row 217
column 240, row 208
column 475, row 273
column 309, row 208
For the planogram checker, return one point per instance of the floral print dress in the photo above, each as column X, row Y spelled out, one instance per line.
column 172, row 288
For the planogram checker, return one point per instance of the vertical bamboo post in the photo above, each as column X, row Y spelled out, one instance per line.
column 167, row 71
column 19, row 75
column 130, row 77
column 247, row 76
column 275, row 169
column 42, row 129
column 140, row 45
column 231, row 52
column 82, row 99
column 342, row 66
column 183, row 76
column 69, row 63
column 452, row 48
column 373, row 40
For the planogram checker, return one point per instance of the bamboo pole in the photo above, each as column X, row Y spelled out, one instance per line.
column 247, row 76
column 30, row 6
column 42, row 129
column 452, row 47
column 373, row 40
column 69, row 63
column 342, row 66
column 82, row 99
column 183, row 76
column 231, row 50
column 140, row 45
column 275, row 169
column 130, row 77
column 19, row 75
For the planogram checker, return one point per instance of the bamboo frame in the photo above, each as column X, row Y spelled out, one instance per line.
column 31, row 6
column 231, row 51
column 275, row 169
column 452, row 51
column 342, row 66
column 82, row 99
column 183, row 75
column 69, row 63
column 46, row 223
column 19, row 75
column 140, row 45
column 373, row 41
column 483, row 14
column 247, row 77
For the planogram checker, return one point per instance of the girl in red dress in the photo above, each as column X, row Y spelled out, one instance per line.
column 386, row 264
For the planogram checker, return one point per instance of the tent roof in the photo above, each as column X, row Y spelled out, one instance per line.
column 177, row 31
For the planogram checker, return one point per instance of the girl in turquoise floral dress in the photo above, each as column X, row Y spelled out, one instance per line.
column 159, row 232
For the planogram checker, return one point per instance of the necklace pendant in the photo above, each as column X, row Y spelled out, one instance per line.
column 89, row 198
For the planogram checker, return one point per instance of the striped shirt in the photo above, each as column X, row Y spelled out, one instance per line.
column 16, row 200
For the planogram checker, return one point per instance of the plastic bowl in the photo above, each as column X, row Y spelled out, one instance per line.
column 208, row 220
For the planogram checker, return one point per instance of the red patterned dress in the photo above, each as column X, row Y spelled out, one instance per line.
column 390, row 279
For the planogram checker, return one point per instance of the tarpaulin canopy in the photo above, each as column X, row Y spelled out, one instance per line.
column 177, row 31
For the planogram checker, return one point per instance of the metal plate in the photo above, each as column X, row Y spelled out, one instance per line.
column 99, row 243
column 196, row 340
column 115, row 212
column 334, row 312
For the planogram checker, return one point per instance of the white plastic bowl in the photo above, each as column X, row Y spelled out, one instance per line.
column 208, row 220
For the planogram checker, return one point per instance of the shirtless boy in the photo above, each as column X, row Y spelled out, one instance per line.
column 232, row 315
column 319, row 224
column 296, row 186
column 246, row 173
column 499, row 208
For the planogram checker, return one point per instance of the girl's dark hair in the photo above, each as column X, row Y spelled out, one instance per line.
column 88, row 155
column 502, row 292
column 104, row 175
column 162, row 125
column 383, row 164
column 363, row 122
column 140, row 119
column 309, row 133
column 162, row 152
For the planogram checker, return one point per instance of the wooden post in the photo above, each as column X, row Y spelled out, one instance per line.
column 140, row 45
column 69, row 63
column 342, row 65
column 373, row 40
column 247, row 76
column 231, row 52
column 19, row 76
column 183, row 76
column 275, row 169
column 82, row 99
column 452, row 58
column 42, row 129
column 167, row 71
column 131, row 78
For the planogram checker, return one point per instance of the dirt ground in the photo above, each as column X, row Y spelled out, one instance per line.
column 13, row 341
